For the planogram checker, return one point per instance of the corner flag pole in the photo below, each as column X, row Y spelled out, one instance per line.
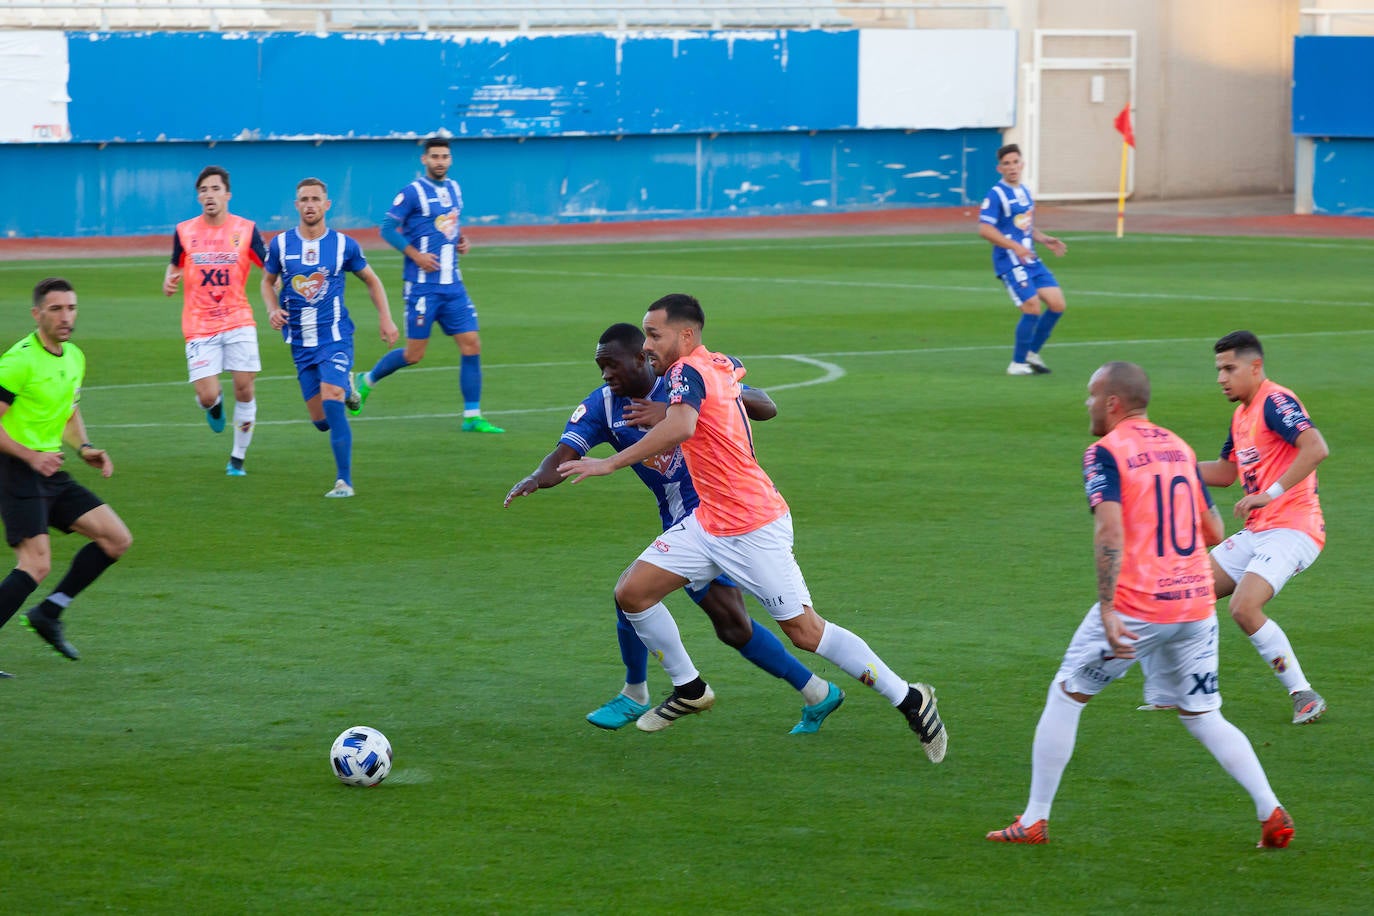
column 1123, row 125
column 1121, row 192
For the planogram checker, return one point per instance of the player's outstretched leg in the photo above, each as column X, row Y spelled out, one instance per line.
column 853, row 656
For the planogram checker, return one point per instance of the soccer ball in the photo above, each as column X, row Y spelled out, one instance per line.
column 361, row 756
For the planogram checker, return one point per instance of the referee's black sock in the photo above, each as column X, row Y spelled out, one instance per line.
column 90, row 561
column 14, row 591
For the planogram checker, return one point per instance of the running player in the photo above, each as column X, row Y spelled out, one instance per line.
column 615, row 413
column 1007, row 220
column 423, row 225
column 213, row 253
column 1151, row 514
column 741, row 527
column 310, row 261
column 40, row 391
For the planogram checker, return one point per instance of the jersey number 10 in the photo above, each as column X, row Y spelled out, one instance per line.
column 1166, row 513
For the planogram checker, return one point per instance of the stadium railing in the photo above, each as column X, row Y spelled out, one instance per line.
column 490, row 15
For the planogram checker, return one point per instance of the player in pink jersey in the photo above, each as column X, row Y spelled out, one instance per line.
column 741, row 528
column 1273, row 449
column 212, row 255
column 1151, row 518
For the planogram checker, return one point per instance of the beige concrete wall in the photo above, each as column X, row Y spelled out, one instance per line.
column 1212, row 91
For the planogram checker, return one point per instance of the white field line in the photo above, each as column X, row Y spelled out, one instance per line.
column 830, row 372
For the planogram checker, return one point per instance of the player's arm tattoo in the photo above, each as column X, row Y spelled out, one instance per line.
column 1108, row 571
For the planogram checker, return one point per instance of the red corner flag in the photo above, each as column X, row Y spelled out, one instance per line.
column 1123, row 126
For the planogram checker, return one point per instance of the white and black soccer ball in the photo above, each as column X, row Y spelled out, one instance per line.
column 361, row 756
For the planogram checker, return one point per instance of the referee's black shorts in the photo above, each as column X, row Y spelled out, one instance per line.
column 31, row 503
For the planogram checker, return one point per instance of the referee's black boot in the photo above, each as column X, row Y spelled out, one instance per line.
column 49, row 630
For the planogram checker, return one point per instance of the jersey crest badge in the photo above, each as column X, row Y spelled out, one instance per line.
column 447, row 223
column 578, row 413
column 311, row 288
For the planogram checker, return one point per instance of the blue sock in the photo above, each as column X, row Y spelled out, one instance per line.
column 1043, row 328
column 340, row 439
column 1025, row 333
column 321, row 425
column 632, row 651
column 393, row 360
column 767, row 651
column 470, row 381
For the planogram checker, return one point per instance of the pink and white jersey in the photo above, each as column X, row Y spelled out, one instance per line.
column 736, row 495
column 1166, row 576
column 1262, row 445
column 215, row 261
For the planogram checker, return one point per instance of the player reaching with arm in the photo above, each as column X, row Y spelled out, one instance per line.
column 212, row 255
column 1273, row 448
column 742, row 526
column 1007, row 221
column 618, row 413
column 312, row 261
column 40, row 387
column 423, row 224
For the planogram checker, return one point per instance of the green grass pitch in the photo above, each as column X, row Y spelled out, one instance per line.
column 181, row 765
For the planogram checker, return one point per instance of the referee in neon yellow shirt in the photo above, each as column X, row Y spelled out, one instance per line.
column 40, row 385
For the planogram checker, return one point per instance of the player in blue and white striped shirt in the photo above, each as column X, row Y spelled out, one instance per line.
column 1007, row 220
column 423, row 224
column 311, row 261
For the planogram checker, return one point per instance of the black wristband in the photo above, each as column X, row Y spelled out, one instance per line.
column 83, row 446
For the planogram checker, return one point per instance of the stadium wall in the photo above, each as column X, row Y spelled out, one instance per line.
column 1334, row 124
column 552, row 128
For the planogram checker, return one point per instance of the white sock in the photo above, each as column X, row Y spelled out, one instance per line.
column 1272, row 644
column 637, row 692
column 245, row 412
column 1233, row 751
column 1055, row 736
column 815, row 690
column 856, row 659
column 658, row 631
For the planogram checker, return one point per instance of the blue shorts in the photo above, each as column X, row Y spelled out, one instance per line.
column 698, row 594
column 328, row 364
column 1024, row 283
column 451, row 308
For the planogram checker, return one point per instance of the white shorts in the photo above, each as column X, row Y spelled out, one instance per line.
column 761, row 562
column 235, row 350
column 1182, row 661
column 1276, row 555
